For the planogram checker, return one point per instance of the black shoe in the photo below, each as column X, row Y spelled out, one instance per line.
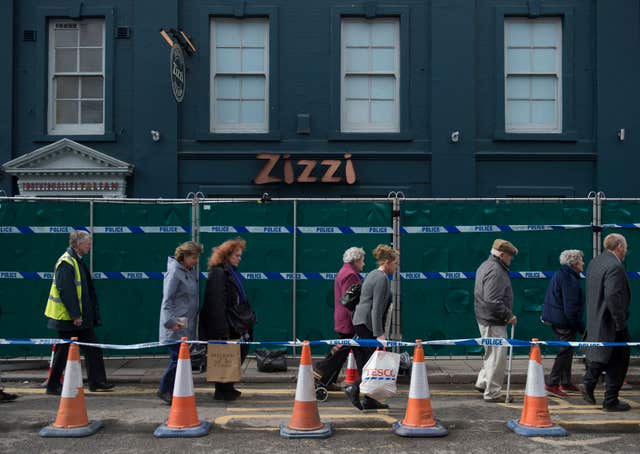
column 479, row 389
column 372, row 404
column 54, row 391
column 7, row 397
column 587, row 395
column 353, row 394
column 496, row 400
column 104, row 386
column 620, row 406
column 165, row 397
column 226, row 395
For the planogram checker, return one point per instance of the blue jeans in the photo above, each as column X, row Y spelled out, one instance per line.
column 169, row 376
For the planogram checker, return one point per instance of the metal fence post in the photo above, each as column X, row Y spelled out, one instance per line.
column 92, row 237
column 294, row 284
column 600, row 197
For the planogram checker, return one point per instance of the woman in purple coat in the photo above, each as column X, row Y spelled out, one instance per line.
column 326, row 370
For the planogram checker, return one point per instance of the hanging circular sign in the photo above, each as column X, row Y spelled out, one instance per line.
column 178, row 70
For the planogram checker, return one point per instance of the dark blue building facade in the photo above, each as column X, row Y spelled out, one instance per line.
column 434, row 98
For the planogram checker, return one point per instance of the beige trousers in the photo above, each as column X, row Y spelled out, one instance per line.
column 491, row 375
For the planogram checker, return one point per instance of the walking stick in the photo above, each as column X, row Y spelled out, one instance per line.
column 508, row 398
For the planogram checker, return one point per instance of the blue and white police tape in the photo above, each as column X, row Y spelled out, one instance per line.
column 286, row 276
column 328, row 229
column 491, row 341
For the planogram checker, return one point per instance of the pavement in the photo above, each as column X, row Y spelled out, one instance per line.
column 147, row 370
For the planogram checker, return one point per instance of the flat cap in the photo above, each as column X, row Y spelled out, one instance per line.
column 505, row 246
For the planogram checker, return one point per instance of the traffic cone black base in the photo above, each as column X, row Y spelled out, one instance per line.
column 419, row 432
column 528, row 431
column 323, row 432
column 76, row 432
column 163, row 431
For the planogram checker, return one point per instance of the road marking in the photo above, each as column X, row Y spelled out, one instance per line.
column 587, row 442
column 591, row 422
column 289, row 407
column 222, row 420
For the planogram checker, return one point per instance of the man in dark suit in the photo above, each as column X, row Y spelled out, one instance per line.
column 608, row 299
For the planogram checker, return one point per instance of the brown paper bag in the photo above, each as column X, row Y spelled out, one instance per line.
column 223, row 363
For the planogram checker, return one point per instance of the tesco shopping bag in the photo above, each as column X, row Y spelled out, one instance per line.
column 379, row 375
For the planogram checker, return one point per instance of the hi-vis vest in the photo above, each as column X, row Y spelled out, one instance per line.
column 55, row 308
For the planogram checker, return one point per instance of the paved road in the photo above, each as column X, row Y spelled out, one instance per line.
column 130, row 414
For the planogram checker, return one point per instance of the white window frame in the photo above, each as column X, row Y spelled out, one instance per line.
column 533, row 128
column 345, row 125
column 79, row 129
column 254, row 128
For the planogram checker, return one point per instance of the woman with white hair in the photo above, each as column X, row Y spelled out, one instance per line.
column 563, row 310
column 326, row 371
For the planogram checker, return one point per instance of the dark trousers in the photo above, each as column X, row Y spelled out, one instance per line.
column 615, row 368
column 363, row 354
column 561, row 370
column 169, row 377
column 330, row 367
column 93, row 358
column 227, row 387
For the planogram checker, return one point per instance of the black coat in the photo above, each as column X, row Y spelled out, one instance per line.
column 608, row 299
column 222, row 299
column 564, row 301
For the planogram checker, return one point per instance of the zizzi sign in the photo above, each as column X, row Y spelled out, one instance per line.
column 177, row 69
column 328, row 170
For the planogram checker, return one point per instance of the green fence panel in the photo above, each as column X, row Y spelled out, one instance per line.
column 627, row 212
column 265, row 253
column 322, row 253
column 22, row 301
column 130, row 307
column 443, row 309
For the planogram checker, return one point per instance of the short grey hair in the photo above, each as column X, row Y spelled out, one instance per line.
column 613, row 240
column 352, row 254
column 571, row 257
column 77, row 237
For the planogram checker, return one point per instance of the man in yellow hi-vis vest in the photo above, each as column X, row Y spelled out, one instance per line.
column 72, row 309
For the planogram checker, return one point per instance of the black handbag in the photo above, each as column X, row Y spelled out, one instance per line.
column 241, row 318
column 351, row 297
column 271, row 360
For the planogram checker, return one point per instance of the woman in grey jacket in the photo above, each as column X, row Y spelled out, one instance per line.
column 179, row 309
column 370, row 315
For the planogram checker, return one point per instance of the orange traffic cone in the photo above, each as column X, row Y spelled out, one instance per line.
column 305, row 420
column 351, row 376
column 72, row 420
column 183, row 418
column 535, row 419
column 46, row 382
column 419, row 420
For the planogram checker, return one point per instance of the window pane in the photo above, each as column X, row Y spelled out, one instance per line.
column 518, row 88
column 517, row 112
column 544, row 112
column 227, row 33
column 357, row 111
column 92, row 87
column 91, row 60
column 252, row 112
column 66, row 38
column 253, row 88
column 67, row 87
column 518, row 61
column 227, row 111
column 383, row 88
column 91, row 34
column 253, row 60
column 253, row 34
column 382, row 111
column 383, row 34
column 356, row 34
column 544, row 60
column 357, row 60
column 518, row 33
column 546, row 34
column 383, row 59
column 544, row 88
column 357, row 87
column 91, row 112
column 66, row 60
column 227, row 87
column 66, row 112
column 228, row 60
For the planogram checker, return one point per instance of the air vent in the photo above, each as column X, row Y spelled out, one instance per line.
column 29, row 35
column 123, row 32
